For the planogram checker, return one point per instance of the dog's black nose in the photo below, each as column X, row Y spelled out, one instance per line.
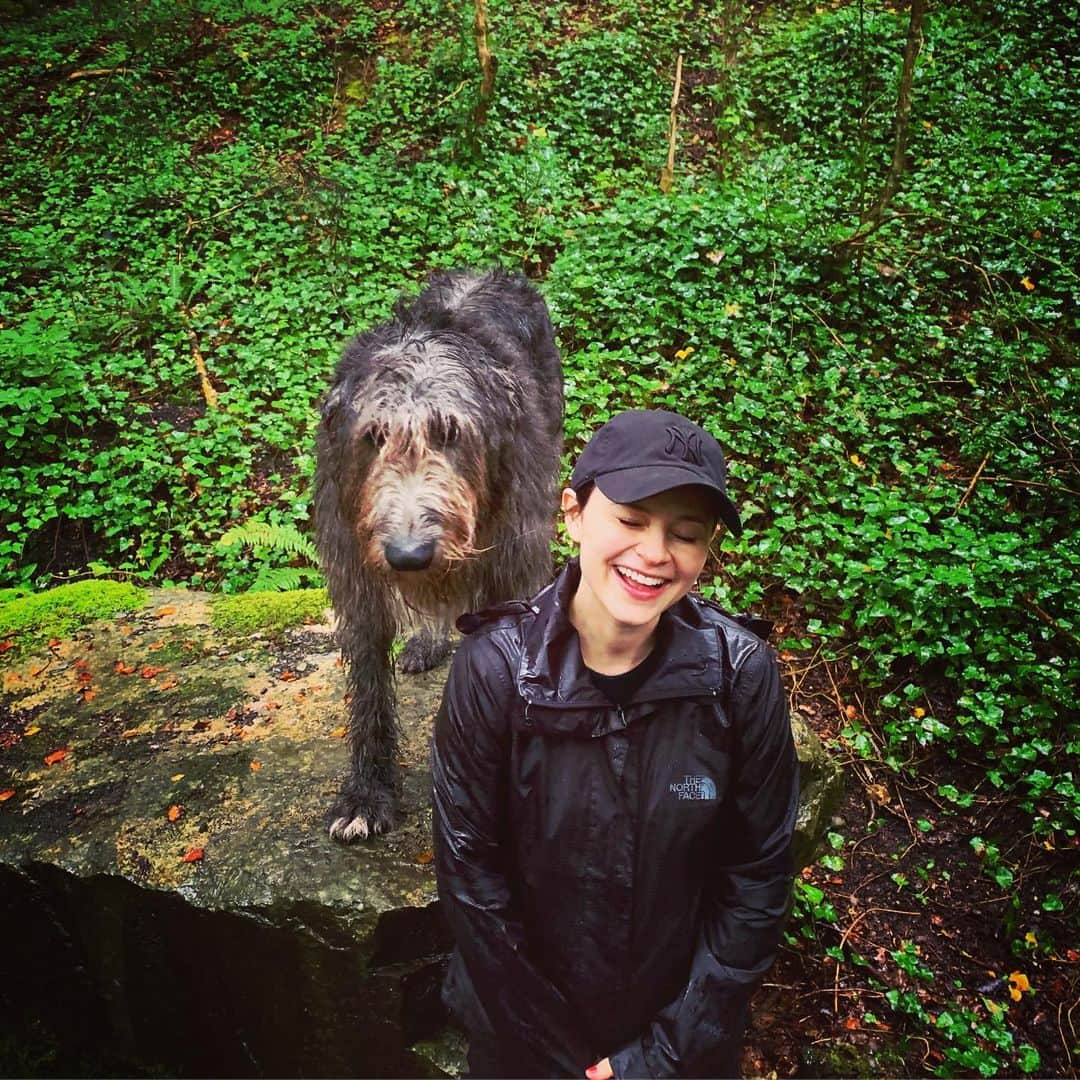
column 409, row 554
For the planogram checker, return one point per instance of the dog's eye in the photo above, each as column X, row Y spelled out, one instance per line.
column 446, row 431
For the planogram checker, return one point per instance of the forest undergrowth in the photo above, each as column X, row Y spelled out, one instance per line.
column 204, row 198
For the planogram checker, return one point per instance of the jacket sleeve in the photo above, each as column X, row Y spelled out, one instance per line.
column 532, row 1020
column 746, row 897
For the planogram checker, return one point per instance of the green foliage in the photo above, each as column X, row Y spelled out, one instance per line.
column 974, row 1041
column 267, row 540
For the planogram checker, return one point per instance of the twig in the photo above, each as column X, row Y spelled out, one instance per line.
column 667, row 173
column 843, row 941
column 1048, row 619
column 1031, row 483
column 911, row 828
column 832, row 333
column 974, row 481
column 488, row 63
column 93, row 73
column 1061, row 1030
column 453, row 94
column 193, row 222
column 208, row 391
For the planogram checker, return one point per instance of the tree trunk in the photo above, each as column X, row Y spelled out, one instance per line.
column 902, row 119
column 488, row 63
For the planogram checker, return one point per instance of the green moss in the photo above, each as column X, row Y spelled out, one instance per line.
column 61, row 611
column 268, row 611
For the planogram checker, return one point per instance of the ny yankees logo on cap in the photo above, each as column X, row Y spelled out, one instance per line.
column 685, row 443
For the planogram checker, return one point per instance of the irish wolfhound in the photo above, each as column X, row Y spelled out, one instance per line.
column 438, row 457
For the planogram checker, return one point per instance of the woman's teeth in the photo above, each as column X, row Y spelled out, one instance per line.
column 640, row 579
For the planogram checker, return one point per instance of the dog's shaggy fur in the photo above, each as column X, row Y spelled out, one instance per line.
column 438, row 457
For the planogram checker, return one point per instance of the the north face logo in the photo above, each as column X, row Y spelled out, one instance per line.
column 684, row 444
column 694, row 787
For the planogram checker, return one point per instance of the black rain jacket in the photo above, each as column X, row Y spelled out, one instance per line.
column 616, row 879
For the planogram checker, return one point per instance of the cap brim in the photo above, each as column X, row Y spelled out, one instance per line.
column 633, row 485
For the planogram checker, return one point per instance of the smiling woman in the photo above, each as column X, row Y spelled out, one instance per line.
column 615, row 788
column 637, row 559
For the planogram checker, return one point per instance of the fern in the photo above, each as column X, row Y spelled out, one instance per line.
column 284, row 579
column 261, row 534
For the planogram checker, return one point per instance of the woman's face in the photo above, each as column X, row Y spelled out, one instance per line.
column 637, row 559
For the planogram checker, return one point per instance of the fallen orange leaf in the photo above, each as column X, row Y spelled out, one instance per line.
column 169, row 684
column 149, row 672
column 287, row 676
column 155, row 645
column 425, row 857
column 338, row 733
column 88, row 694
column 194, row 855
column 1018, row 983
column 55, row 756
column 85, row 677
column 255, row 766
column 168, row 609
column 851, row 1023
column 174, row 813
column 6, row 644
column 1027, row 283
column 123, row 669
column 879, row 793
column 5, row 795
column 851, row 712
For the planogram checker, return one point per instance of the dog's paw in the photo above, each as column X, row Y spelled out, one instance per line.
column 355, row 817
column 422, row 652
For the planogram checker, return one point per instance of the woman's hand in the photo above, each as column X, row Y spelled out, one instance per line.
column 600, row 1071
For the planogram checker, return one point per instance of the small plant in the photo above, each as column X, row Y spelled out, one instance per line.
column 267, row 540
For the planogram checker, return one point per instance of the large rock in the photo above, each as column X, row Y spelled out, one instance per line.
column 820, row 790
column 138, row 744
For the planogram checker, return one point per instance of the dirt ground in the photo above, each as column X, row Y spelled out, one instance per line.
column 910, row 873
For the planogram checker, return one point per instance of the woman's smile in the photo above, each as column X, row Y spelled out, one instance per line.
column 640, row 585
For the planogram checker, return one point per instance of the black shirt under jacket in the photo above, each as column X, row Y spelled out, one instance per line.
column 615, row 877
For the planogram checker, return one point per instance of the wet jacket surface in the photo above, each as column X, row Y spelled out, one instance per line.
column 615, row 878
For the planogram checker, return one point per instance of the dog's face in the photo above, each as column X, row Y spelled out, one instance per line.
column 421, row 437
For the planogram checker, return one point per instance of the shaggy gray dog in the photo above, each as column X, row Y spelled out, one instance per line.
column 438, row 458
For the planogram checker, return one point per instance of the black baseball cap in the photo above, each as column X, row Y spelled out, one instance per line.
column 645, row 451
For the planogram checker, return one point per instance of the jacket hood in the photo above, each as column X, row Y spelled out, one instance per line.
column 561, row 697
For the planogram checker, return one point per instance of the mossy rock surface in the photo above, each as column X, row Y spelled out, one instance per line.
column 27, row 618
column 268, row 612
column 163, row 842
